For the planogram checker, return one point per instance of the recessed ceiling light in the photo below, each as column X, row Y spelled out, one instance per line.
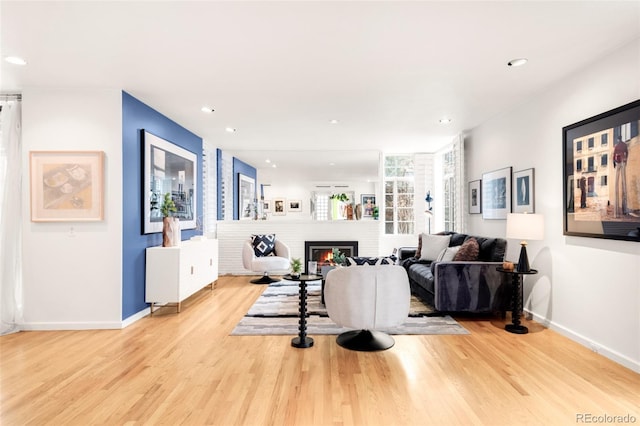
column 274, row 166
column 334, row 121
column 267, row 160
column 207, row 109
column 445, row 120
column 16, row 60
column 230, row 129
column 517, row 62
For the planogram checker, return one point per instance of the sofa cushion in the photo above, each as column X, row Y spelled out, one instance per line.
column 264, row 244
column 469, row 251
column 432, row 245
column 421, row 275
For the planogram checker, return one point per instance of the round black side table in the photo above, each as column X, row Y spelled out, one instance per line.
column 302, row 341
column 516, row 308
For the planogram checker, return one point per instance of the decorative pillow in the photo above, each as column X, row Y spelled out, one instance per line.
column 469, row 251
column 432, row 245
column 363, row 261
column 264, row 245
column 448, row 254
column 419, row 249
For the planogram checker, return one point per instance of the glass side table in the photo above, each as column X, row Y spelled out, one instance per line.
column 516, row 307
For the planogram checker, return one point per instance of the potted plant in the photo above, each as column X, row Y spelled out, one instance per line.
column 296, row 267
column 170, row 224
column 339, row 206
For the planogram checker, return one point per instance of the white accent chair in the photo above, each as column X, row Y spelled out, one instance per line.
column 265, row 264
column 367, row 298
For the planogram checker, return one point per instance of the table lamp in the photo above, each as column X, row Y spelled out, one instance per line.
column 525, row 226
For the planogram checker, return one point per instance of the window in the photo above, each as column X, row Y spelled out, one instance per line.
column 579, row 146
column 449, row 191
column 320, row 205
column 591, row 143
column 579, row 165
column 398, row 194
column 603, row 180
column 590, row 165
column 604, row 139
column 603, row 160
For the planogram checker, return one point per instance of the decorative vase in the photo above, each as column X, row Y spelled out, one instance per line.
column 170, row 231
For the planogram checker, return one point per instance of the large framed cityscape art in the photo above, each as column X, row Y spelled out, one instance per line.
column 601, row 175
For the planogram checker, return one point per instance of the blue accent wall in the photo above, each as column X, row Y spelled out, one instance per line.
column 137, row 116
column 247, row 170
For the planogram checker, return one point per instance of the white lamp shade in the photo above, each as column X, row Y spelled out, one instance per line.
column 525, row 226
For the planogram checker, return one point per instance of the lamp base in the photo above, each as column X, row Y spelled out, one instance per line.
column 523, row 261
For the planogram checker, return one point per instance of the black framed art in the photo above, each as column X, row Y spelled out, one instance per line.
column 496, row 194
column 168, row 169
column 523, row 191
column 475, row 197
column 601, row 175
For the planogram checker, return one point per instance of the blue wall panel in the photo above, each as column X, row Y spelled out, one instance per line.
column 137, row 116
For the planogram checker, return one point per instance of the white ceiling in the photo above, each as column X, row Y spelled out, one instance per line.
column 278, row 72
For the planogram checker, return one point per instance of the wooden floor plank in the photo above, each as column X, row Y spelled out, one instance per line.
column 186, row 369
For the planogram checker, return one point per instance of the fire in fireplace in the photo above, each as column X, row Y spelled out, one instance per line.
column 322, row 251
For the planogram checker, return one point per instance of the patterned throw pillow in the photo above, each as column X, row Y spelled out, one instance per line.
column 264, row 245
column 363, row 261
column 469, row 251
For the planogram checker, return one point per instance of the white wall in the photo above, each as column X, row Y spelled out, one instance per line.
column 73, row 270
column 588, row 289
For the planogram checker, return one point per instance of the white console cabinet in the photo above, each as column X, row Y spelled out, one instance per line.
column 175, row 273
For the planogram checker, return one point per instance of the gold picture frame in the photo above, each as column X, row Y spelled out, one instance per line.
column 66, row 186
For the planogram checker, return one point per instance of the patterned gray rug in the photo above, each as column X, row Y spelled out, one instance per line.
column 276, row 313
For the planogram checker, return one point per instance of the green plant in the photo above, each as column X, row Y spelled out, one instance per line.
column 338, row 257
column 339, row 197
column 168, row 206
column 376, row 212
column 296, row 265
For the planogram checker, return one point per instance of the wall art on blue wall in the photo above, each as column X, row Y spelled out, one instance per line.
column 168, row 169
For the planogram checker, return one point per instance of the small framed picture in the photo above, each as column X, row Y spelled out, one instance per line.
column 266, row 206
column 475, row 196
column 278, row 207
column 294, row 205
column 66, row 186
column 523, row 186
column 368, row 203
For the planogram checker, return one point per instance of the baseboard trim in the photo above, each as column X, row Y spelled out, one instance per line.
column 587, row 343
column 66, row 326
column 59, row 326
column 136, row 317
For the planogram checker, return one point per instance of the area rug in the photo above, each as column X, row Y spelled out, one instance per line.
column 276, row 313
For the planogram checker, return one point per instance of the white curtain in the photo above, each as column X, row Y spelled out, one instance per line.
column 10, row 217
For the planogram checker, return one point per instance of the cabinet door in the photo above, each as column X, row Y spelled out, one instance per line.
column 163, row 274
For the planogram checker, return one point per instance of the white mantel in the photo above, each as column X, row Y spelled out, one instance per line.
column 232, row 234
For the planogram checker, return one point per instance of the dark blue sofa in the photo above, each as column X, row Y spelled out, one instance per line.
column 461, row 286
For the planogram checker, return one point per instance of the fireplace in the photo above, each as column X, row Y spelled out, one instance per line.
column 321, row 251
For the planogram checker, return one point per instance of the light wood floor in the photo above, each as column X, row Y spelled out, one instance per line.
column 186, row 369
